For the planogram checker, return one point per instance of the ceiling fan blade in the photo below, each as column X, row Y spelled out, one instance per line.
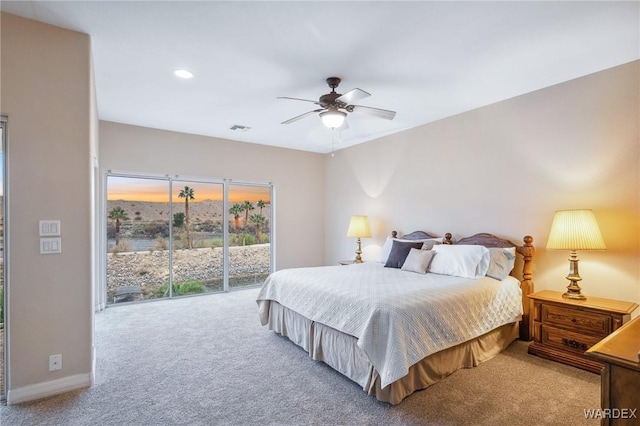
column 291, row 120
column 298, row 99
column 376, row 112
column 353, row 95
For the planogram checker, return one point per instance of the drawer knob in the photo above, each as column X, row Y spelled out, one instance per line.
column 573, row 320
column 574, row 344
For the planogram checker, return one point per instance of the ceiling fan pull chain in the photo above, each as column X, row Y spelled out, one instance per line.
column 333, row 141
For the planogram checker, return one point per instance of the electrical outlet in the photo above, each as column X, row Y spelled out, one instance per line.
column 55, row 362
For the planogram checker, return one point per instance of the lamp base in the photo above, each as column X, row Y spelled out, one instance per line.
column 575, row 296
column 358, row 253
column 574, row 292
column 573, row 289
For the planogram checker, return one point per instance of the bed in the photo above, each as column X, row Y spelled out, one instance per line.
column 397, row 326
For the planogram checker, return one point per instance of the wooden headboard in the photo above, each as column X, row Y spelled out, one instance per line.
column 527, row 250
column 415, row 235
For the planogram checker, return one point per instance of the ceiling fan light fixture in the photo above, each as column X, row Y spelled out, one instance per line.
column 333, row 118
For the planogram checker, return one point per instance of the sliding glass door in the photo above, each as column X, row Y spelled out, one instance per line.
column 138, row 216
column 180, row 237
column 198, row 237
column 249, row 234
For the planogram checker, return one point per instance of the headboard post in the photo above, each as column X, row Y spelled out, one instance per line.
column 527, row 251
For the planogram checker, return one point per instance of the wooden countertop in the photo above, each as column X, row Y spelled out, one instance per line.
column 621, row 347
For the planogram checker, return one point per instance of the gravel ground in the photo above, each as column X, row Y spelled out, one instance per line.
column 149, row 270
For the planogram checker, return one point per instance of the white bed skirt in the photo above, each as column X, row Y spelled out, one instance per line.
column 341, row 352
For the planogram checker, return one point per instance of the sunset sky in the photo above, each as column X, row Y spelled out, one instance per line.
column 136, row 189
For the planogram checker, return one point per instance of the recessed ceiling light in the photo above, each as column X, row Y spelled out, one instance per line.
column 183, row 73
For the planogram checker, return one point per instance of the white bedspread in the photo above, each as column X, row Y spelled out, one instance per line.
column 398, row 317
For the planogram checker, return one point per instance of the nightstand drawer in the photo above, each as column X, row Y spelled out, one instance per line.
column 567, row 340
column 575, row 319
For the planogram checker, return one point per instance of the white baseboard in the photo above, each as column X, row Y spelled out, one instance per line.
column 45, row 389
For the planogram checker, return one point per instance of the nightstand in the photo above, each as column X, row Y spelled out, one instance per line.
column 563, row 329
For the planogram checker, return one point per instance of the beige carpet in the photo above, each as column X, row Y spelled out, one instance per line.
column 207, row 361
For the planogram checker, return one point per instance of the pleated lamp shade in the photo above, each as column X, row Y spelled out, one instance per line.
column 575, row 230
column 359, row 227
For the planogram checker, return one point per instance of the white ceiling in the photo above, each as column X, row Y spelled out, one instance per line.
column 425, row 60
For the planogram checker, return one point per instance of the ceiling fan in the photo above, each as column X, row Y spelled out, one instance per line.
column 336, row 106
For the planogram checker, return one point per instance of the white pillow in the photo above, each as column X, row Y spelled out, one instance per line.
column 467, row 261
column 418, row 260
column 386, row 248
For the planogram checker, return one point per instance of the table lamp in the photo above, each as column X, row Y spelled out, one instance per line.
column 359, row 228
column 574, row 230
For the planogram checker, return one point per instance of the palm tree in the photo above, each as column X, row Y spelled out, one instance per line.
column 246, row 206
column 261, row 204
column 258, row 220
column 235, row 210
column 187, row 194
column 118, row 215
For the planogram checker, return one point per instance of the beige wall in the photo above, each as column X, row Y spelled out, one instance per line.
column 298, row 177
column 46, row 93
column 505, row 169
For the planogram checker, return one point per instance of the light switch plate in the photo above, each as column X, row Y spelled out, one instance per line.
column 49, row 228
column 50, row 245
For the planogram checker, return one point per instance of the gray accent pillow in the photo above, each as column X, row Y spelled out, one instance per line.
column 399, row 252
column 501, row 262
column 418, row 260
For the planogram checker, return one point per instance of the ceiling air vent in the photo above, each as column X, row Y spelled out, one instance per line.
column 239, row 128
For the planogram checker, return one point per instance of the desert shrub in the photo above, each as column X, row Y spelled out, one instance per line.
column 178, row 242
column 200, row 244
column 183, row 288
column 157, row 228
column 244, row 239
column 248, row 239
column 208, row 226
column 208, row 243
column 178, row 220
column 123, row 246
column 190, row 286
column 161, row 243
